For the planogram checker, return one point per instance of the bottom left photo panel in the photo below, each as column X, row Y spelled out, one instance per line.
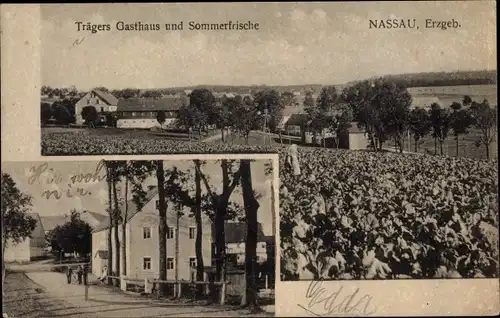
column 139, row 238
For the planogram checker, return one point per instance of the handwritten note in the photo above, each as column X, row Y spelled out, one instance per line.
column 44, row 174
column 323, row 302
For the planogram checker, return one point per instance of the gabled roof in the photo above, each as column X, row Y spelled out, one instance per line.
column 132, row 210
column 109, row 98
column 169, row 103
column 235, row 232
column 51, row 222
column 297, row 120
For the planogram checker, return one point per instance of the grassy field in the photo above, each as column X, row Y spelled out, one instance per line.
column 449, row 94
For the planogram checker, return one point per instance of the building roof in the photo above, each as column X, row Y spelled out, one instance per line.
column 297, row 120
column 168, row 103
column 51, row 222
column 132, row 210
column 235, row 232
column 107, row 97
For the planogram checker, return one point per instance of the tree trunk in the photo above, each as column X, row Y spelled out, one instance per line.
column 435, row 146
column 199, row 133
column 162, row 227
column 456, row 139
column 246, row 138
column 222, row 135
column 124, row 231
column 251, row 208
column 177, row 285
column 441, row 147
column 117, row 217
column 199, row 233
column 4, row 245
column 109, row 236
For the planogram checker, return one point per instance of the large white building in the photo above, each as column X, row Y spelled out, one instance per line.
column 103, row 102
column 142, row 241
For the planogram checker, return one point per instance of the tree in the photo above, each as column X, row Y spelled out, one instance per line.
column 440, row 120
column 220, row 202
column 221, row 114
column 89, row 114
column 161, row 118
column 245, row 116
column 109, row 240
column 420, row 125
column 485, row 119
column 162, row 228
column 203, row 101
column 460, row 122
column 128, row 93
column 46, row 90
column 199, row 227
column 63, row 112
column 251, row 207
column 269, row 99
column 74, row 236
column 45, row 113
column 340, row 122
column 393, row 104
column 364, row 100
column 17, row 225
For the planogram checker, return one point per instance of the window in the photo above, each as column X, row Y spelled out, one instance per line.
column 146, row 231
column 192, row 262
column 170, row 232
column 192, row 232
column 263, row 245
column 170, row 263
column 102, row 109
column 97, row 101
column 146, row 263
column 157, row 204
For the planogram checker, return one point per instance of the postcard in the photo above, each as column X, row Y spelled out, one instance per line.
column 314, row 159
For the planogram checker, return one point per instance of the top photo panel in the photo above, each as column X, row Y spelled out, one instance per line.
column 146, row 79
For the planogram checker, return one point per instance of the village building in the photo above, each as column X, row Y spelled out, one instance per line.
column 142, row 241
column 142, row 112
column 103, row 102
column 235, row 237
column 91, row 218
column 31, row 248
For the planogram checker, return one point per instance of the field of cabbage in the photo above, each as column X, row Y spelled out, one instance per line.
column 87, row 142
column 365, row 215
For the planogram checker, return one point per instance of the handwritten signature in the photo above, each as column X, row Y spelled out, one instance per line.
column 335, row 302
column 56, row 178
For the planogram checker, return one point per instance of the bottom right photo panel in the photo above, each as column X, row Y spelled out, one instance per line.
column 375, row 220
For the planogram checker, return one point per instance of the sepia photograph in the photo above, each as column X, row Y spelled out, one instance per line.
column 138, row 238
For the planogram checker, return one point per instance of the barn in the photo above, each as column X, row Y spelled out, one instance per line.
column 142, row 112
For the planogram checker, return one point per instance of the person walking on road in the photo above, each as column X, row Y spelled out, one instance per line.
column 79, row 272
column 85, row 274
column 69, row 272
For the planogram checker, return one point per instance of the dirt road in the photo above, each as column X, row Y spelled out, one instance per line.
column 58, row 299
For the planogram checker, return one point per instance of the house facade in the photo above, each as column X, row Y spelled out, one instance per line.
column 103, row 102
column 142, row 241
column 142, row 112
column 235, row 237
column 30, row 248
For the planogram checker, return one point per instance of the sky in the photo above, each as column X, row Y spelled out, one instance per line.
column 297, row 43
column 96, row 200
